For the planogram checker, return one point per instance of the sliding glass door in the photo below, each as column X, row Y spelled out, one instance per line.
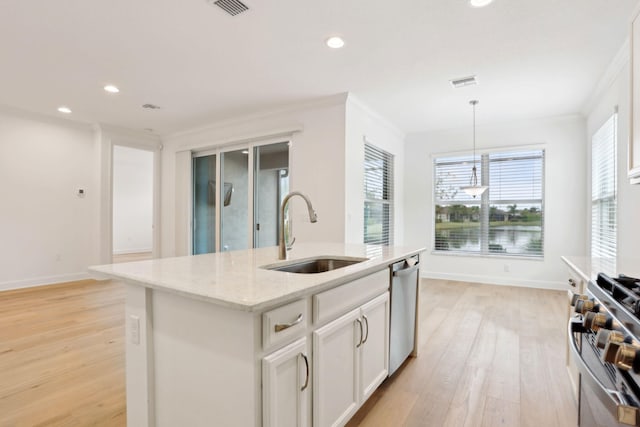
column 242, row 193
column 271, row 184
column 234, row 200
column 204, row 204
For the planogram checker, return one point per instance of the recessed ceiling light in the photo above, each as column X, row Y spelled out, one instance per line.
column 65, row 110
column 335, row 42
column 479, row 3
column 111, row 89
column 245, row 151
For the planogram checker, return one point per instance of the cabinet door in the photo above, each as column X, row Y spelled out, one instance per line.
column 335, row 370
column 374, row 351
column 285, row 386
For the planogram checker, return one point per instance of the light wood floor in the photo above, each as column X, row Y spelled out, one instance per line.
column 62, row 355
column 489, row 356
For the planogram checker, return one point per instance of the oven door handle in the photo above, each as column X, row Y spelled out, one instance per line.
column 613, row 400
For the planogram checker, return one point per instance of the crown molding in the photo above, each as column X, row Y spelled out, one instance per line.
column 380, row 119
column 127, row 136
column 622, row 58
column 312, row 104
column 44, row 118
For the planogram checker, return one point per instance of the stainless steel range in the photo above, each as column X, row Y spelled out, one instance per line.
column 605, row 345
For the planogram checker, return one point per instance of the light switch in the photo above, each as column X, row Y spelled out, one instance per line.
column 134, row 327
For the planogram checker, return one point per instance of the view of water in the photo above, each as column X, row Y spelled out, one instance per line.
column 506, row 239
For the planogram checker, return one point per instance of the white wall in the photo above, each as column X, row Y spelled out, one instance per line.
column 132, row 200
column 48, row 232
column 616, row 92
column 316, row 166
column 564, row 140
column 361, row 124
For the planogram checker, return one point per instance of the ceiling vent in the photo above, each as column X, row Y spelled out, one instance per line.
column 232, row 7
column 464, row 81
column 150, row 106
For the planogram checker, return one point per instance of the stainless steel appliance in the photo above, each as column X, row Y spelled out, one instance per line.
column 605, row 345
column 404, row 296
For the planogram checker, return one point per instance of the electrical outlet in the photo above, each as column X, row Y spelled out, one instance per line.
column 134, row 327
column 506, row 268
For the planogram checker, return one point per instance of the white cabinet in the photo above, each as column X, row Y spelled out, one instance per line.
column 285, row 386
column 258, row 369
column 335, row 358
column 634, row 134
column 576, row 286
column 374, row 351
column 350, row 360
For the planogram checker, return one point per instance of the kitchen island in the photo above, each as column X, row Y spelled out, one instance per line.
column 218, row 339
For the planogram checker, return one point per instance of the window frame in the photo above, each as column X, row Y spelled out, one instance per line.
column 388, row 190
column 483, row 161
column 607, row 265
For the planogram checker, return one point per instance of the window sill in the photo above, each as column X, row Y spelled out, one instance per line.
column 488, row 256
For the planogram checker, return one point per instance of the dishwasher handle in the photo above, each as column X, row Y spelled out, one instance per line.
column 406, row 271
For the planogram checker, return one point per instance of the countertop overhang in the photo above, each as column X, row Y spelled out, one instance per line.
column 588, row 268
column 237, row 280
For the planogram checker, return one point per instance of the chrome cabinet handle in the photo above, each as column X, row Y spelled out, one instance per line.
column 306, row 364
column 366, row 321
column 361, row 333
column 282, row 326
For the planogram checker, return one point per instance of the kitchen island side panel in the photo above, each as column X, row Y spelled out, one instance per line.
column 204, row 370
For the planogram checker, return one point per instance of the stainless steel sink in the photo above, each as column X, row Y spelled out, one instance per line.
column 314, row 265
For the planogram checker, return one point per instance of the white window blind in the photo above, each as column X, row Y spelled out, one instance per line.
column 378, row 196
column 604, row 195
column 507, row 219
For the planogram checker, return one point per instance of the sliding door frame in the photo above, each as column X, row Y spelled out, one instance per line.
column 218, row 151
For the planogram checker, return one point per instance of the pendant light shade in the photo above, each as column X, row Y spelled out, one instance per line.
column 473, row 189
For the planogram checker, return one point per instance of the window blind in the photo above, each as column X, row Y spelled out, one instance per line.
column 507, row 219
column 378, row 196
column 604, row 195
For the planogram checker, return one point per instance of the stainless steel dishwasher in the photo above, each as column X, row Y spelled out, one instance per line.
column 404, row 296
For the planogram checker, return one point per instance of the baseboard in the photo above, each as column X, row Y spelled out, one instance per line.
column 40, row 281
column 132, row 251
column 492, row 280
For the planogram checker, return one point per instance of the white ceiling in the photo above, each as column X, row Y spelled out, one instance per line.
column 532, row 58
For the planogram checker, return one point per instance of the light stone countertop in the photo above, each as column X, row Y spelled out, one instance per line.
column 235, row 280
column 588, row 268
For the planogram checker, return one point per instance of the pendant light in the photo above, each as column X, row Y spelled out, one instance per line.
column 473, row 189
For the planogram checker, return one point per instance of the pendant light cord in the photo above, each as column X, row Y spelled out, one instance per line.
column 474, row 176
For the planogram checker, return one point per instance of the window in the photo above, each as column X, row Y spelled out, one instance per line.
column 378, row 196
column 506, row 220
column 603, row 195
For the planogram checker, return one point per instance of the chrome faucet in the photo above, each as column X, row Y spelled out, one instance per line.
column 283, row 246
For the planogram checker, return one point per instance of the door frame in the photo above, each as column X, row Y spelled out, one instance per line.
column 107, row 137
column 217, row 151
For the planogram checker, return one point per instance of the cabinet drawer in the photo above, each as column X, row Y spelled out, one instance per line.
column 284, row 323
column 332, row 303
column 576, row 283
